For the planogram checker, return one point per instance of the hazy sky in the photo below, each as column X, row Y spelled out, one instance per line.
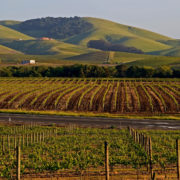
column 161, row 16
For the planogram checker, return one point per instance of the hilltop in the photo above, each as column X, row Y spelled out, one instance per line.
column 70, row 38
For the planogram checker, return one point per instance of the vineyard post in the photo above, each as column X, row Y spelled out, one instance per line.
column 43, row 136
column 138, row 137
column 178, row 158
column 40, row 137
column 129, row 129
column 26, row 139
column 37, row 137
column 18, row 157
column 150, row 158
column 22, row 140
column 135, row 137
column 8, row 141
column 2, row 138
column 56, row 132
column 14, row 142
column 134, row 132
column 31, row 138
column 106, row 160
column 143, row 140
column 145, row 143
column 19, row 141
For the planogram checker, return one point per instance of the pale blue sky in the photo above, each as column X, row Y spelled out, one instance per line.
column 161, row 16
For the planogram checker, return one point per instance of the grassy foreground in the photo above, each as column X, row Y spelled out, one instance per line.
column 91, row 114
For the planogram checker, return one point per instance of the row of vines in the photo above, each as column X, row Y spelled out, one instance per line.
column 73, row 151
column 95, row 95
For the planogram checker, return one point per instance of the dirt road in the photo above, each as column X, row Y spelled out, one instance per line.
column 88, row 121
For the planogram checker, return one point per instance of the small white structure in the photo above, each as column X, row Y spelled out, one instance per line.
column 28, row 62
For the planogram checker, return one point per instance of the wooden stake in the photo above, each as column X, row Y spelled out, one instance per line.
column 8, row 142
column 2, row 138
column 22, row 140
column 31, row 138
column 106, row 160
column 27, row 139
column 18, row 156
column 150, row 158
column 178, row 158
column 14, row 142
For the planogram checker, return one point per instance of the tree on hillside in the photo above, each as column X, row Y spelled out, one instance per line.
column 107, row 46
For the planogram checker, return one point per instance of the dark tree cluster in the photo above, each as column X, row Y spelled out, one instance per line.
column 89, row 71
column 58, row 28
column 107, row 46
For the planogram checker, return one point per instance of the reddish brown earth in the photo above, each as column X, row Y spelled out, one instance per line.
column 129, row 98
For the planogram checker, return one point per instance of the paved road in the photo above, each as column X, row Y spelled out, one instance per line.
column 88, row 121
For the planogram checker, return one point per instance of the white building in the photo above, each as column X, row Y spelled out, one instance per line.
column 28, row 62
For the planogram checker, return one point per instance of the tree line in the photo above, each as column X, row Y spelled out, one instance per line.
column 107, row 46
column 58, row 28
column 79, row 70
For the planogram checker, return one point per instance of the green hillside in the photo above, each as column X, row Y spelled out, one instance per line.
column 7, row 33
column 98, row 57
column 156, row 61
column 6, row 50
column 175, row 51
column 92, row 29
column 126, row 35
column 43, row 47
column 9, row 23
column 74, row 49
column 123, row 57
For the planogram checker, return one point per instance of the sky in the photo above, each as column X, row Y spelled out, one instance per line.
column 161, row 16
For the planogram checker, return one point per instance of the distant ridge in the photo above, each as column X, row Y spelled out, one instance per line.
column 69, row 42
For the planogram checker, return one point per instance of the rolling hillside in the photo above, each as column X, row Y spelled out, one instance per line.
column 156, row 61
column 73, row 48
column 126, row 35
column 98, row 57
column 113, row 32
column 8, row 33
column 43, row 47
column 6, row 50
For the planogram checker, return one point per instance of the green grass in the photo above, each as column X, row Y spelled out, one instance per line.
column 175, row 51
column 59, row 52
column 92, row 57
column 39, row 47
column 49, row 60
column 156, row 61
column 8, row 33
column 127, row 35
column 123, row 57
column 6, row 50
column 98, row 57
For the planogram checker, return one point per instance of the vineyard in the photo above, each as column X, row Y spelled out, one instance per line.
column 98, row 95
column 50, row 151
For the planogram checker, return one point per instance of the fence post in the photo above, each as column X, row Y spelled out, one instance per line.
column 2, row 144
column 106, row 160
column 150, row 158
column 18, row 156
column 8, row 142
column 31, row 138
column 22, row 140
column 178, row 158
